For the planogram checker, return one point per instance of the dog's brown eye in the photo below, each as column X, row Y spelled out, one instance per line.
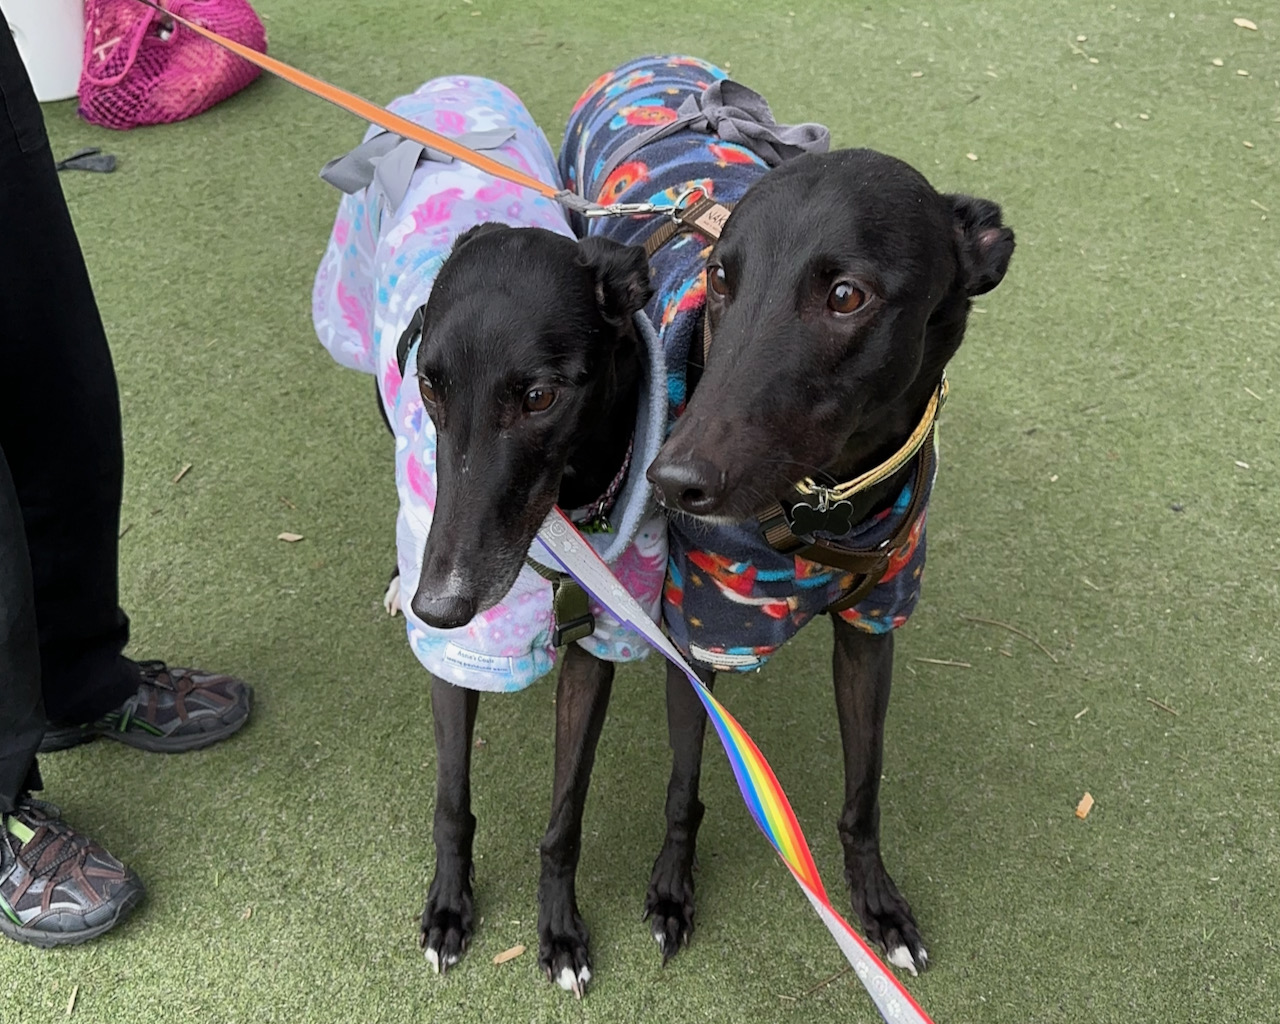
column 539, row 399
column 716, row 281
column 845, row 298
column 427, row 390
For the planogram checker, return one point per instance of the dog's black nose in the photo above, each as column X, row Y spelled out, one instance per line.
column 444, row 612
column 691, row 485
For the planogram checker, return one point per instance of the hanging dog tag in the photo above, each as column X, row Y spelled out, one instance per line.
column 807, row 519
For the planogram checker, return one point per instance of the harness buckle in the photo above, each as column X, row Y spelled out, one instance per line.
column 573, row 631
column 572, row 611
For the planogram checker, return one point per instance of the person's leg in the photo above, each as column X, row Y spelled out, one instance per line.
column 60, row 430
column 59, row 419
column 21, row 711
column 57, row 886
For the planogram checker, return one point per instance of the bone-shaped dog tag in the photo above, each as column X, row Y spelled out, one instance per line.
column 835, row 519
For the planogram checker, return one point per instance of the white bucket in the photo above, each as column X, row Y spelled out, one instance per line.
column 50, row 38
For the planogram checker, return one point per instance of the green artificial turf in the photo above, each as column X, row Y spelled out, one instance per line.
column 1093, row 492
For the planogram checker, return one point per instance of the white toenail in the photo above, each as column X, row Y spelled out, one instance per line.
column 900, row 956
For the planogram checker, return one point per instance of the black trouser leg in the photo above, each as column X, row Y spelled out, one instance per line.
column 59, row 420
column 21, row 710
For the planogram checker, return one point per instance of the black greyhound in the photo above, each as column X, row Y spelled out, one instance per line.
column 530, row 366
column 837, row 293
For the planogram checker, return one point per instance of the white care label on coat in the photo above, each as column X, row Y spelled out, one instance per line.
column 721, row 660
column 475, row 661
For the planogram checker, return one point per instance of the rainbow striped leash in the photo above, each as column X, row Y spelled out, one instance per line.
column 764, row 797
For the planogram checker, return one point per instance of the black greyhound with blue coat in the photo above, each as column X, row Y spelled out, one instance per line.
column 796, row 382
column 835, row 296
column 837, row 293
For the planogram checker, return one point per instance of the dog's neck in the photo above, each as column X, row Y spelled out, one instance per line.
column 884, row 434
column 609, row 427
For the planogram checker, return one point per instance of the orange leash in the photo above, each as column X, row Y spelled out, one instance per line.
column 384, row 118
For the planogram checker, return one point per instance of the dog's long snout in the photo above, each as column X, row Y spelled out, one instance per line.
column 691, row 484
column 444, row 611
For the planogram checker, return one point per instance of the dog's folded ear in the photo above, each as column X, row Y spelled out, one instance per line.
column 410, row 335
column 622, row 277
column 985, row 245
column 475, row 232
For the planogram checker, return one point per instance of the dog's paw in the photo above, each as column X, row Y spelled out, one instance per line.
column 668, row 906
column 902, row 958
column 886, row 917
column 565, row 960
column 562, row 945
column 445, row 931
column 391, row 599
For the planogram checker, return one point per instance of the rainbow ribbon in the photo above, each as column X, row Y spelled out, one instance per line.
column 763, row 795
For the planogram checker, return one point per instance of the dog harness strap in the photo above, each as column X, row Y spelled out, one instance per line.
column 868, row 564
column 864, row 587
column 900, row 537
column 877, row 474
column 572, row 609
column 661, row 237
column 777, row 522
column 704, row 215
column 569, row 604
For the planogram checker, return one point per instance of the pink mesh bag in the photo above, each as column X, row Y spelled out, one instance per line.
column 143, row 68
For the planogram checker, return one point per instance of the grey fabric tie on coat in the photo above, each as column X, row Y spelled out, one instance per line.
column 734, row 113
column 387, row 162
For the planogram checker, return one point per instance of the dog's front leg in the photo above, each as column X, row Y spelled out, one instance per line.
column 669, row 902
column 447, row 917
column 582, row 698
column 863, row 670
